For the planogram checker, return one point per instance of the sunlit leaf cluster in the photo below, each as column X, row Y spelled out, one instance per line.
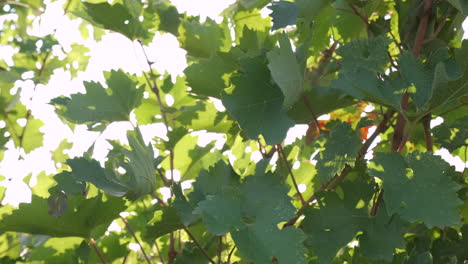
column 361, row 184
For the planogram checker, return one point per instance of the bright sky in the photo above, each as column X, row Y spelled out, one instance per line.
column 113, row 52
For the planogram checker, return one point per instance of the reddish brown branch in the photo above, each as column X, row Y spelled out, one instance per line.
column 96, row 249
column 400, row 125
column 422, row 28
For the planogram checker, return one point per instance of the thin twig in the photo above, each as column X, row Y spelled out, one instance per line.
column 228, row 261
column 363, row 18
column 285, row 160
column 129, row 228
column 203, row 251
column 220, row 248
column 159, row 252
column 171, row 253
column 154, row 87
column 125, row 259
column 96, row 249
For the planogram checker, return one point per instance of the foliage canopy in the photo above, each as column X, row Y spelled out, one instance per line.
column 381, row 70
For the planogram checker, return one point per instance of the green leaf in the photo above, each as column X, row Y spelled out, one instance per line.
column 164, row 221
column 221, row 213
column 361, row 61
column 102, row 105
column 348, row 26
column 67, row 184
column 58, row 154
column 340, row 149
column 261, row 239
column 461, row 5
column 205, row 116
column 283, row 14
column 369, row 54
column 85, row 170
column 120, row 17
column 418, row 188
column 251, row 21
column 338, row 219
column 168, row 18
column 80, row 219
column 429, row 77
column 185, row 209
column 139, row 165
column 257, row 104
column 191, row 158
column 250, row 4
column 32, row 136
column 208, row 76
column 285, row 70
column 391, row 227
column 201, row 40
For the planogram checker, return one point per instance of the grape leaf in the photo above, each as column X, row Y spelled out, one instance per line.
column 283, row 14
column 257, row 104
column 208, row 76
column 285, row 70
column 204, row 116
column 168, row 17
column 122, row 17
column 251, row 21
column 164, row 221
column 99, row 104
column 191, row 158
column 418, row 188
column 341, row 149
column 461, row 5
column 361, row 61
column 391, row 227
column 80, row 219
column 222, row 212
column 267, row 204
column 139, row 164
column 336, row 222
column 201, row 40
column 428, row 77
column 249, row 4
column 89, row 170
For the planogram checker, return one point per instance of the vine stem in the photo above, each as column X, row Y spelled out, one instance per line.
column 130, row 229
column 427, row 132
column 406, row 135
column 199, row 246
column 333, row 183
column 228, row 261
column 283, row 156
column 154, row 87
column 159, row 252
column 96, row 249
